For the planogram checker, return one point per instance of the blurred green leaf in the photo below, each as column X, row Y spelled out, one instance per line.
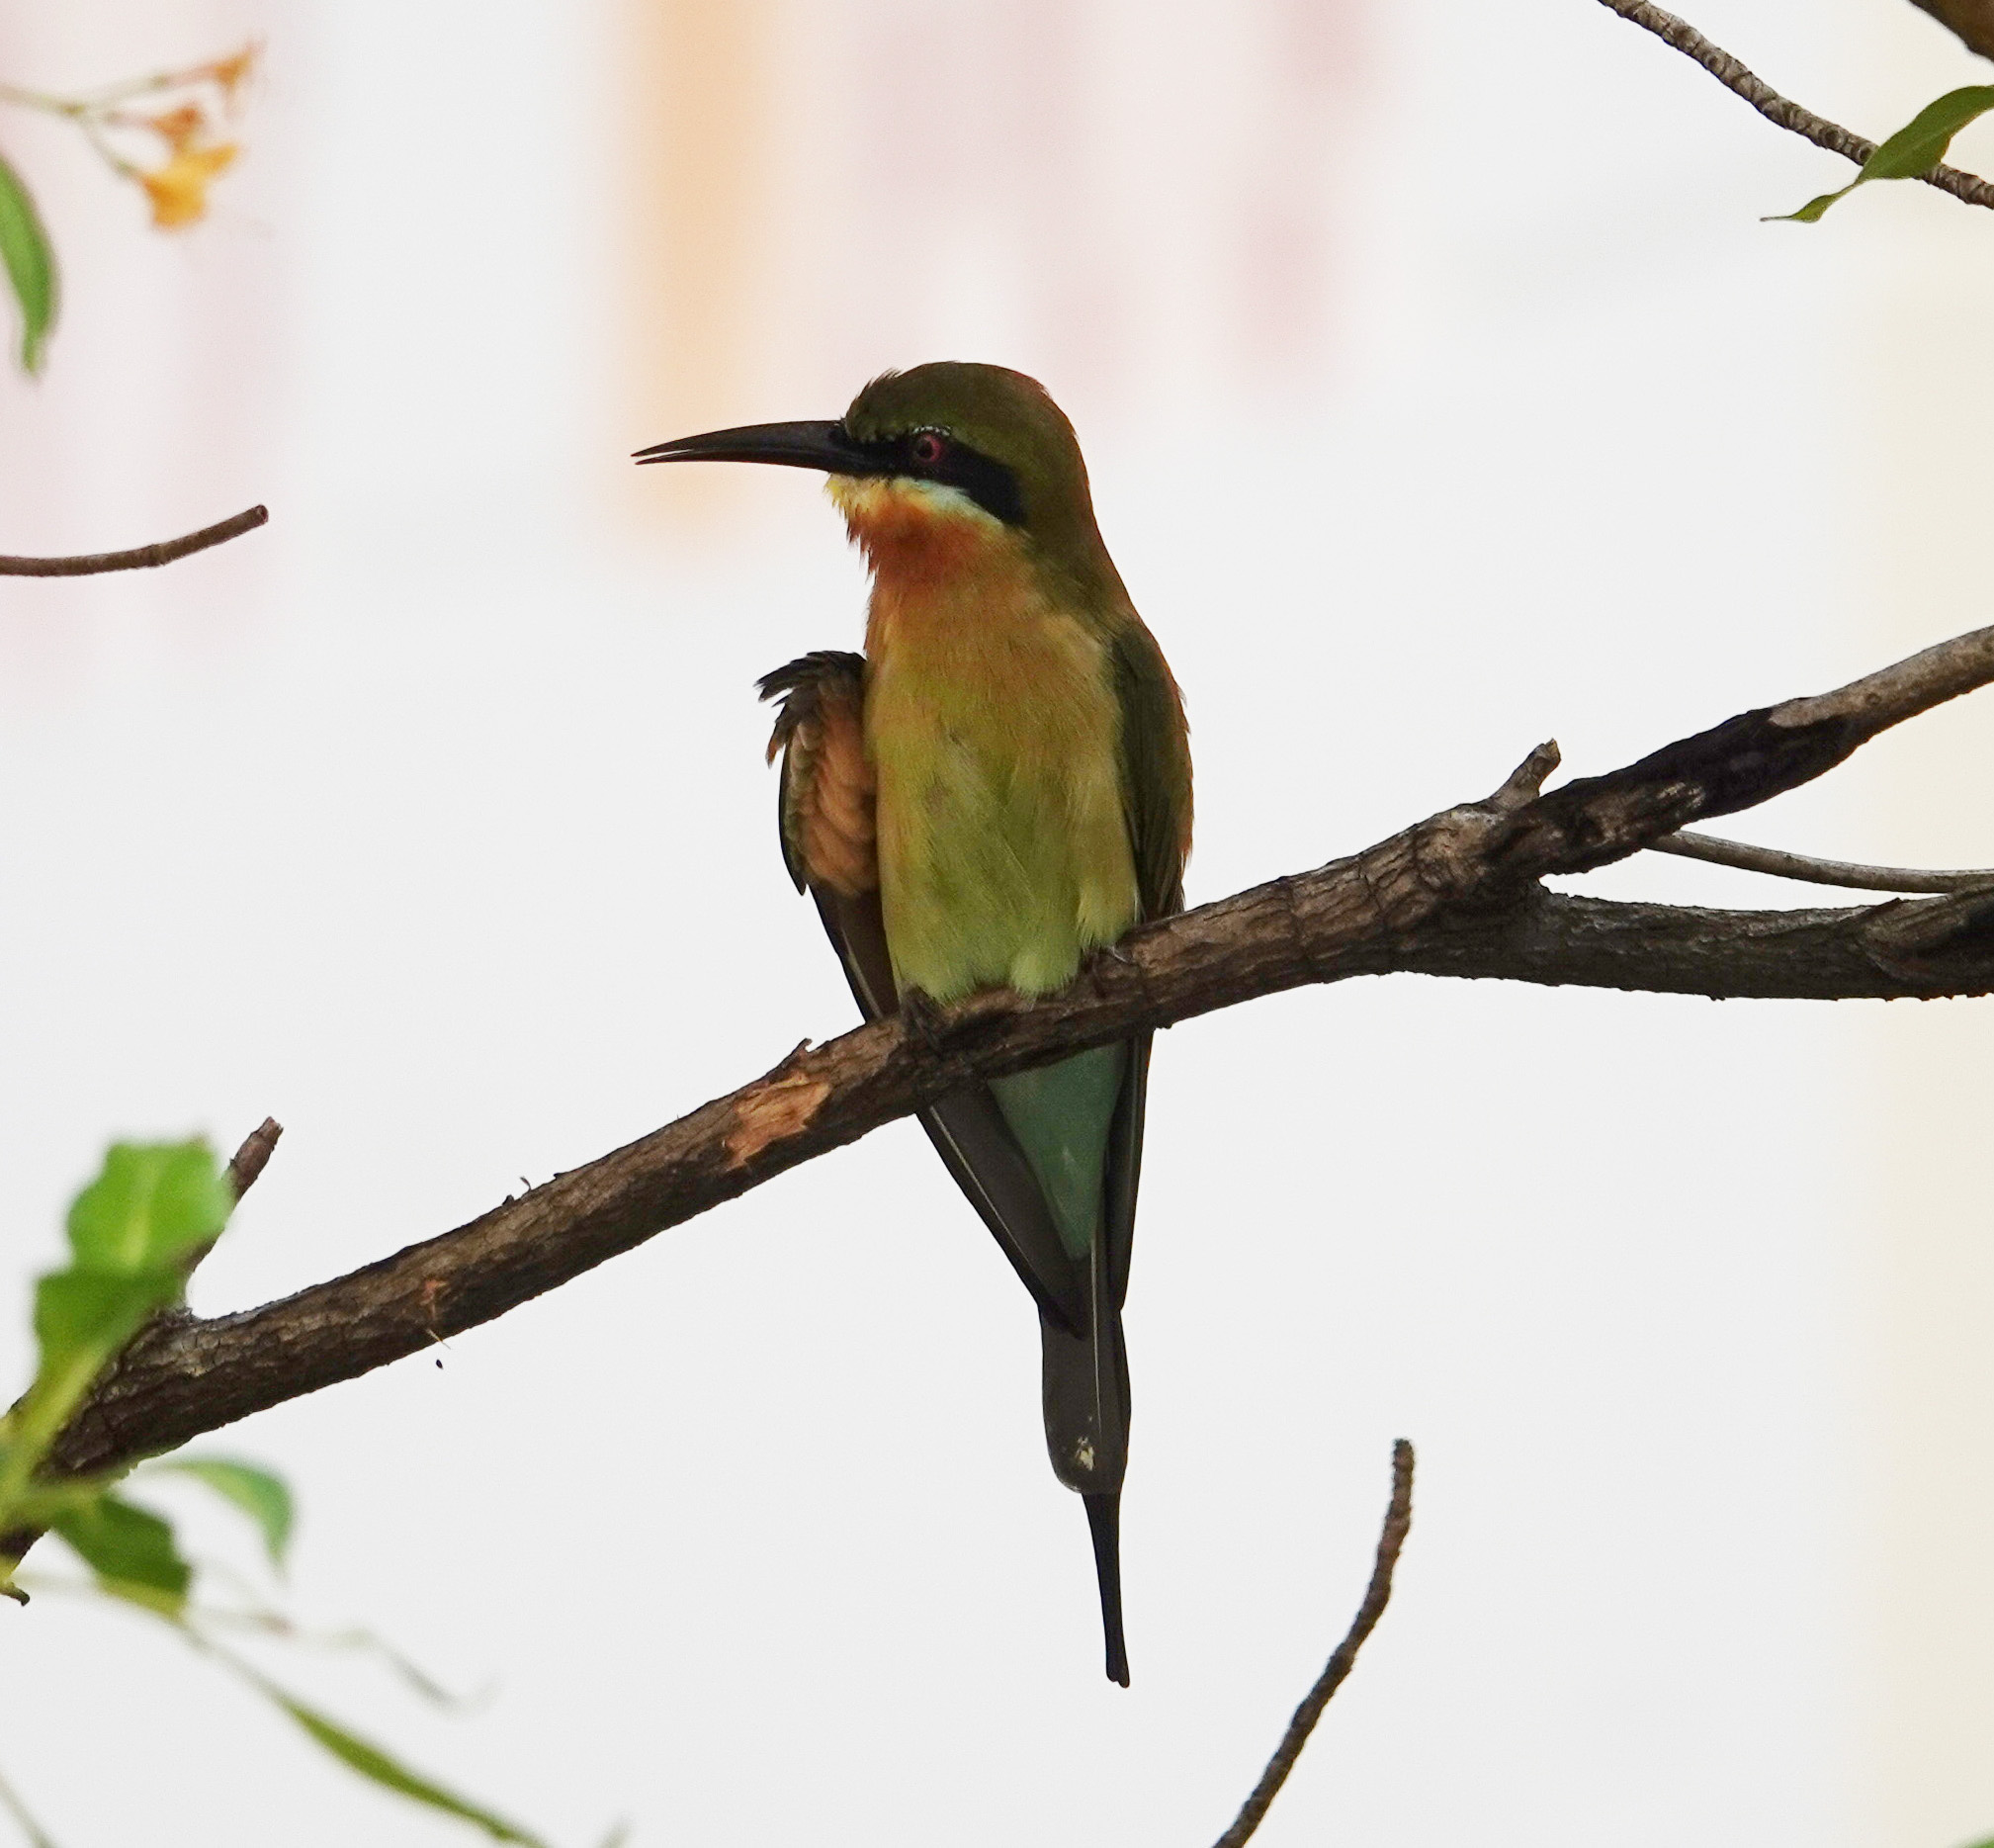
column 30, row 265
column 372, row 1762
column 93, row 1313
column 81, row 1319
column 39, row 1506
column 1916, row 148
column 263, row 1497
column 131, row 1551
column 153, row 1205
column 130, row 1233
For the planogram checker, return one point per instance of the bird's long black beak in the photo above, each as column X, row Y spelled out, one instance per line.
column 822, row 446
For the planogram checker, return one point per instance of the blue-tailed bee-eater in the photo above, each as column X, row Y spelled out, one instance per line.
column 999, row 784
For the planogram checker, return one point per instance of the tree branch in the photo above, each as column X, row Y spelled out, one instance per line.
column 249, row 1162
column 1344, row 1658
column 1779, row 109
column 1456, row 895
column 140, row 558
column 1804, row 866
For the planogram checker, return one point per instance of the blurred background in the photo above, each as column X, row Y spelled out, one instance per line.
column 1443, row 393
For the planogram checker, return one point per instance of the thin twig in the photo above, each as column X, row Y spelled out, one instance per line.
column 1398, row 1524
column 1779, row 109
column 140, row 558
column 38, row 1837
column 254, row 1155
column 244, row 1166
column 1851, row 874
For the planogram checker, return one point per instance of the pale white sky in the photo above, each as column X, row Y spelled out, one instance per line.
column 1443, row 393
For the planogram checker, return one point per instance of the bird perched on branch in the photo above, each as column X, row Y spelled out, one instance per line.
column 1001, row 784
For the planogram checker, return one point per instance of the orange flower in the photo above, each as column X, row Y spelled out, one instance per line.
column 179, row 189
column 229, row 72
column 179, row 126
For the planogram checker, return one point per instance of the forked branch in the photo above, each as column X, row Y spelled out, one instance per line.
column 1456, row 895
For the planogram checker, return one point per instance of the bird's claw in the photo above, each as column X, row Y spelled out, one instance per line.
column 922, row 1015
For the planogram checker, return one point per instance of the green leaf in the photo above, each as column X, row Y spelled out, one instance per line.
column 1915, row 149
column 40, row 1506
column 372, row 1762
column 81, row 1319
column 131, row 1551
column 30, row 265
column 263, row 1497
column 95, row 1312
column 154, row 1204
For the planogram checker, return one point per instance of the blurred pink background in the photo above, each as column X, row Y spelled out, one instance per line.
column 1443, row 393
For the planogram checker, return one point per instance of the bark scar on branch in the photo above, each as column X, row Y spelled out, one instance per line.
column 1458, row 895
column 778, row 1108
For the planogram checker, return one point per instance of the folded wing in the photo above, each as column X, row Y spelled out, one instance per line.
column 825, row 813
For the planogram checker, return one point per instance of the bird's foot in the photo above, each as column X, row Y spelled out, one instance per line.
column 922, row 1015
column 1102, row 959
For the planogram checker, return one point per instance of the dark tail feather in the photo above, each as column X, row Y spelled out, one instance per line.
column 1087, row 1410
column 1105, row 1516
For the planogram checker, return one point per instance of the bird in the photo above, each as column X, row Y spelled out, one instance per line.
column 999, row 786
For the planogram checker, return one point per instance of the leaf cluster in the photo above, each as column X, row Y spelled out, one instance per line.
column 134, row 1234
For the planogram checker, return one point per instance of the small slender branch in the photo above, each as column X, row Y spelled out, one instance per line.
column 40, row 99
column 38, row 1837
column 1398, row 1524
column 1850, row 874
column 1778, row 109
column 250, row 1159
column 140, row 558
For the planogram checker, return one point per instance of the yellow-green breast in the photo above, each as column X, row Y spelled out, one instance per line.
column 991, row 721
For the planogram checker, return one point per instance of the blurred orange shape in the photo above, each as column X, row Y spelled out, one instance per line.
column 179, row 189
column 180, row 126
column 229, row 72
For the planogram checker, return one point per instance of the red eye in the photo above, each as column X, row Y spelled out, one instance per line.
column 927, row 447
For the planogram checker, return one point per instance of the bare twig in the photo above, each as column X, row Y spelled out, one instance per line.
column 1456, row 895
column 1779, row 109
column 140, row 558
column 37, row 1837
column 1398, row 1524
column 244, row 1166
column 1851, row 874
column 250, row 1159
